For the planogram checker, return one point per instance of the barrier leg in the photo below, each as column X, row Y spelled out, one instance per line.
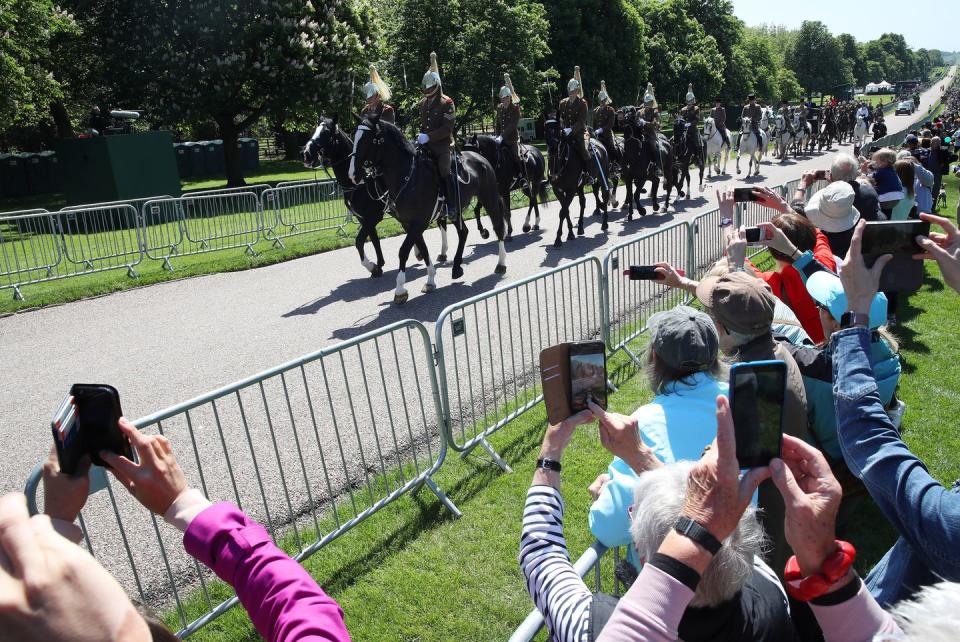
column 447, row 503
column 17, row 294
column 277, row 243
column 132, row 273
column 611, row 387
column 250, row 250
column 497, row 459
column 632, row 355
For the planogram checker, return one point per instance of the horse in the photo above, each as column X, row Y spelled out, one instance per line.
column 860, row 134
column 566, row 172
column 715, row 146
column 782, row 138
column 382, row 153
column 532, row 183
column 748, row 145
column 766, row 115
column 330, row 146
column 801, row 134
column 688, row 148
column 637, row 161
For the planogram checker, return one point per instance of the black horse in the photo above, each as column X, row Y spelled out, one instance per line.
column 567, row 178
column 532, row 182
column 638, row 160
column 382, row 153
column 689, row 148
column 331, row 147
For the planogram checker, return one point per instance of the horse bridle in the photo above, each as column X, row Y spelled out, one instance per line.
column 374, row 173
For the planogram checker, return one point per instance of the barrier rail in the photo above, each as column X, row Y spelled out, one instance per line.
column 258, row 189
column 136, row 203
column 342, row 459
column 707, row 243
column 303, row 208
column 488, row 348
column 100, row 238
column 28, row 250
column 630, row 303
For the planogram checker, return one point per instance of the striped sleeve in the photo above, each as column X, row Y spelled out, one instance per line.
column 557, row 590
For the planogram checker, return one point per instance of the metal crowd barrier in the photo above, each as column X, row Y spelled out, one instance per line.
column 136, row 203
column 302, row 448
column 630, row 303
column 706, row 242
column 488, row 348
column 258, row 189
column 590, row 560
column 302, row 208
column 28, row 250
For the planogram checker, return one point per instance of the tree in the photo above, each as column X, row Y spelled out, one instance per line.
column 762, row 69
column 816, row 59
column 606, row 38
column 852, row 53
column 716, row 16
column 475, row 41
column 231, row 62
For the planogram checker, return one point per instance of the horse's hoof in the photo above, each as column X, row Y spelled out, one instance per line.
column 680, row 194
column 441, row 258
column 615, row 204
column 536, row 228
column 457, row 271
column 604, row 227
column 596, row 212
column 558, row 243
column 428, row 287
column 508, row 238
column 642, row 211
column 642, row 190
column 484, row 234
column 738, row 172
column 376, row 271
column 579, row 231
column 400, row 299
column 571, row 235
column 500, row 269
column 526, row 228
column 419, row 257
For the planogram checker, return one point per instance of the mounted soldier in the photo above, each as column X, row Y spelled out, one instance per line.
column 604, row 118
column 437, row 119
column 377, row 95
column 507, row 125
column 573, row 116
column 719, row 116
column 650, row 121
column 691, row 111
column 754, row 112
column 787, row 116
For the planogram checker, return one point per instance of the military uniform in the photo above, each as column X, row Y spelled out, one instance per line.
column 437, row 119
column 381, row 111
column 605, row 117
column 691, row 113
column 573, row 116
column 719, row 116
column 507, row 127
column 754, row 112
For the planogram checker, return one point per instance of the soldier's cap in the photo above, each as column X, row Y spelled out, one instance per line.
column 717, row 100
column 751, row 96
column 739, row 301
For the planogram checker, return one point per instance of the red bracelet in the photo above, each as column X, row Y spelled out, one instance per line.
column 834, row 569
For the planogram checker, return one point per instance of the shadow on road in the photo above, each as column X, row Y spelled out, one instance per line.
column 579, row 247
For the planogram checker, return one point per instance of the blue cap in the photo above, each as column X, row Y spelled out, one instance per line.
column 826, row 289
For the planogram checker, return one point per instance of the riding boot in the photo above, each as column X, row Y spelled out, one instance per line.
column 443, row 192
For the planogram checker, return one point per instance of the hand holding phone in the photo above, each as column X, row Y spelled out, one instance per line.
column 820, row 175
column 648, row 273
column 757, row 392
column 756, row 234
column 743, row 195
column 570, row 374
column 86, row 423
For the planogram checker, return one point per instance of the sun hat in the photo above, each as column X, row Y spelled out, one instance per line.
column 831, row 209
column 684, row 338
column 827, row 290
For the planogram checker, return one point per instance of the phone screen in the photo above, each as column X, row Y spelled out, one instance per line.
column 752, row 234
column 645, row 273
column 98, row 411
column 894, row 237
column 743, row 194
column 756, row 399
column 588, row 375
column 820, row 175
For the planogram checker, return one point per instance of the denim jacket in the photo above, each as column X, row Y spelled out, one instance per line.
column 925, row 514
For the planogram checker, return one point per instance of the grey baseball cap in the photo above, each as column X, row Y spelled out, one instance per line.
column 685, row 338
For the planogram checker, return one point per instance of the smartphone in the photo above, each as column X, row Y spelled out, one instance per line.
column 820, row 175
column 647, row 273
column 893, row 237
column 743, row 194
column 86, row 424
column 753, row 234
column 757, row 391
column 588, row 375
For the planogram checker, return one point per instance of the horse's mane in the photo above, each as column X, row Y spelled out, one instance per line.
column 393, row 134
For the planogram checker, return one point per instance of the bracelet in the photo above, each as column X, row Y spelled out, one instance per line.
column 549, row 464
column 834, row 569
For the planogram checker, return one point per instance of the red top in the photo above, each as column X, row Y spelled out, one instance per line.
column 790, row 288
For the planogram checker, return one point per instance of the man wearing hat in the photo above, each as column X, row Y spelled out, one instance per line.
column 604, row 118
column 752, row 111
column 787, row 119
column 507, row 122
column 719, row 116
column 741, row 306
column 573, row 116
column 685, row 376
column 650, row 115
column 691, row 111
column 377, row 93
column 437, row 119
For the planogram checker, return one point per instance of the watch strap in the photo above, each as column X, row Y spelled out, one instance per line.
column 854, row 319
column 695, row 531
column 549, row 464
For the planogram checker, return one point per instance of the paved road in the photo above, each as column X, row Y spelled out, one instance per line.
column 169, row 342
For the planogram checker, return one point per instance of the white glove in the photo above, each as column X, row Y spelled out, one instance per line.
column 599, row 131
column 566, row 131
column 422, row 139
column 499, row 139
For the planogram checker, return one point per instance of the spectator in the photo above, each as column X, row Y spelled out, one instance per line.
column 731, row 598
column 283, row 601
column 716, row 496
column 907, row 206
column 922, row 184
column 845, row 168
column 912, row 144
column 924, row 513
column 884, row 176
column 686, row 375
column 831, row 210
column 934, row 164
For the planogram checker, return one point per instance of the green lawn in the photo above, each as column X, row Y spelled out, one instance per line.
column 414, row 573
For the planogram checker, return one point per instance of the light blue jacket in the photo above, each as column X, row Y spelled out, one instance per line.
column 677, row 425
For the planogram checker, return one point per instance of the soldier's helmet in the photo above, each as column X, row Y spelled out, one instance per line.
column 603, row 96
column 690, row 97
column 376, row 85
column 507, row 90
column 431, row 79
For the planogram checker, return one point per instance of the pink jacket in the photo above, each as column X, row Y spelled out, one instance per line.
column 283, row 600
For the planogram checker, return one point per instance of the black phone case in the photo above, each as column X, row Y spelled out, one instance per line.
column 98, row 411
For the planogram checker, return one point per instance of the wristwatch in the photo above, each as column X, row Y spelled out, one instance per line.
column 854, row 320
column 696, row 532
column 549, row 464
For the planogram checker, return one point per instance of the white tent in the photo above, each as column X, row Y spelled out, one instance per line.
column 878, row 87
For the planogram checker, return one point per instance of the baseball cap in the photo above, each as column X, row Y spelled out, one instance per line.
column 831, row 209
column 739, row 301
column 684, row 338
column 827, row 290
column 911, row 138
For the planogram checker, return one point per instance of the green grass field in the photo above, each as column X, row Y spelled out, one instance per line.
column 414, row 573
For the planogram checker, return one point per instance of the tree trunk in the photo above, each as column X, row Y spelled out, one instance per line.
column 61, row 119
column 231, row 155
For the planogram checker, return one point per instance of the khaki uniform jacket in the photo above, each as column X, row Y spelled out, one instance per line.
column 754, row 112
column 573, row 114
column 690, row 113
column 508, row 121
column 383, row 111
column 652, row 118
column 437, row 120
column 719, row 116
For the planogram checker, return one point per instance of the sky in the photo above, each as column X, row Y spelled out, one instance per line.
column 865, row 20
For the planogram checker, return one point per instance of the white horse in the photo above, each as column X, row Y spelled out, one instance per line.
column 801, row 135
column 766, row 115
column 782, row 138
column 860, row 132
column 715, row 147
column 748, row 145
